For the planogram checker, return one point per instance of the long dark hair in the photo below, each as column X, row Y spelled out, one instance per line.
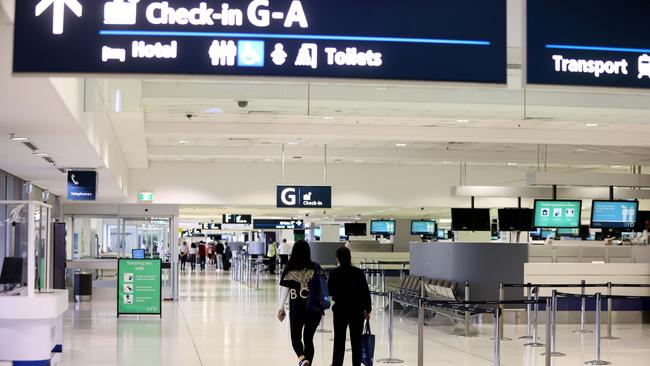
column 300, row 256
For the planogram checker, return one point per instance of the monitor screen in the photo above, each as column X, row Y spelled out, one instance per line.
column 642, row 221
column 614, row 214
column 568, row 232
column 442, row 234
column 12, row 271
column 382, row 227
column 470, row 219
column 516, row 219
column 137, row 253
column 356, row 229
column 423, row 227
column 558, row 214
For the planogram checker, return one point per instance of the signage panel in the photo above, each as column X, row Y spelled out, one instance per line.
column 614, row 214
column 557, row 214
column 270, row 224
column 210, row 226
column 139, row 286
column 461, row 40
column 304, row 196
column 237, row 219
column 82, row 185
column 591, row 43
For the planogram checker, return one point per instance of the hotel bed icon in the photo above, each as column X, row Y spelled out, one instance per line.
column 109, row 53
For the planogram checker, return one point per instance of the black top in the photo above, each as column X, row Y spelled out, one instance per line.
column 349, row 290
column 297, row 280
column 219, row 248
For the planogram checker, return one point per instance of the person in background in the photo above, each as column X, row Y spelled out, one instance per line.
column 272, row 253
column 295, row 282
column 352, row 305
column 284, row 251
column 192, row 258
column 185, row 252
column 227, row 256
column 220, row 250
column 211, row 254
column 202, row 254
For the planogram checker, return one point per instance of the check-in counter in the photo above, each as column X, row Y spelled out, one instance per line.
column 587, row 252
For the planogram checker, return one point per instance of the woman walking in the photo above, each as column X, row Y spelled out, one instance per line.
column 352, row 305
column 295, row 285
column 193, row 257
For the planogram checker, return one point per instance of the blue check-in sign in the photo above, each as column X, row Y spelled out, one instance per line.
column 304, row 196
column 82, row 185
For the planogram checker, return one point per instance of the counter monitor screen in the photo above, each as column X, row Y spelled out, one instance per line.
column 614, row 214
column 516, row 219
column 558, row 214
column 137, row 253
column 642, row 221
column 355, row 229
column 470, row 219
column 382, row 227
column 12, row 271
column 423, row 227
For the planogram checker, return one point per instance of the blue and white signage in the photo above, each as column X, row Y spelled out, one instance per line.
column 304, row 196
column 82, row 185
column 460, row 40
column 614, row 214
column 284, row 224
column 591, row 43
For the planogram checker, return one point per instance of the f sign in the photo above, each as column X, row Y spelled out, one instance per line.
column 288, row 196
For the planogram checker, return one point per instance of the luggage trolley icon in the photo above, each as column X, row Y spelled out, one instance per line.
column 644, row 66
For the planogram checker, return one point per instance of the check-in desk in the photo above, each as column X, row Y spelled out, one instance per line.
column 587, row 252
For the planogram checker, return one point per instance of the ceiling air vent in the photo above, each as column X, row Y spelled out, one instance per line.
column 63, row 171
column 30, row 146
column 49, row 160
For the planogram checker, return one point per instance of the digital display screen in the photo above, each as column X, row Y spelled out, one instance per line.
column 382, row 227
column 558, row 214
column 614, row 214
column 470, row 219
column 137, row 253
column 423, row 227
column 589, row 42
column 461, row 40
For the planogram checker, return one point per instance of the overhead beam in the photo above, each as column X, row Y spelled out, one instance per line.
column 588, row 179
column 547, row 192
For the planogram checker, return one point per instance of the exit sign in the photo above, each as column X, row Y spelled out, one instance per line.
column 145, row 197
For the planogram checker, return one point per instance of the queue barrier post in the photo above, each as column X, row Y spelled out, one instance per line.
column 610, row 313
column 391, row 307
column 420, row 332
column 553, row 338
column 548, row 353
column 502, row 295
column 583, row 310
column 257, row 275
column 598, row 361
column 533, row 342
column 497, row 337
column 467, row 315
column 529, row 297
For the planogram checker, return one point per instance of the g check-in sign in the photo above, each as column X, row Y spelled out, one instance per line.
column 304, row 196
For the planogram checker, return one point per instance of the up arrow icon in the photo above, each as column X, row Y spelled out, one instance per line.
column 58, row 12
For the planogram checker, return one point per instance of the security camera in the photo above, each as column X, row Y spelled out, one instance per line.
column 306, row 215
column 242, row 103
column 422, row 208
column 189, row 116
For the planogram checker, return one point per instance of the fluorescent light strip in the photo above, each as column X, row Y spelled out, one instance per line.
column 597, row 48
column 141, row 33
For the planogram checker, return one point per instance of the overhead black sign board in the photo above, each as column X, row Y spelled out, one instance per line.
column 210, row 226
column 82, row 185
column 304, row 196
column 270, row 224
column 590, row 43
column 237, row 219
column 460, row 40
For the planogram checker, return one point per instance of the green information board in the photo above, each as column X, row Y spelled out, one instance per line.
column 139, row 287
column 557, row 214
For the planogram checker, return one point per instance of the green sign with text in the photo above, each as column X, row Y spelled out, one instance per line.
column 139, row 287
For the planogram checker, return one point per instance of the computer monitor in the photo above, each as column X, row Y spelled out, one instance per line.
column 442, row 234
column 382, row 227
column 516, row 219
column 355, row 229
column 564, row 214
column 137, row 253
column 642, row 221
column 424, row 227
column 12, row 271
column 470, row 219
column 614, row 214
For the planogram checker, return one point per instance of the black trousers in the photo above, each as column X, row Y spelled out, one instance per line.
column 342, row 320
column 202, row 262
column 303, row 326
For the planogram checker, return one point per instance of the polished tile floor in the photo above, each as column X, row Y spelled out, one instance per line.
column 220, row 322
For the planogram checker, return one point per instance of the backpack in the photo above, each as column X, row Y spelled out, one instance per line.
column 319, row 296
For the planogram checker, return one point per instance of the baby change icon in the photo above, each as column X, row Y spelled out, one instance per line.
column 121, row 12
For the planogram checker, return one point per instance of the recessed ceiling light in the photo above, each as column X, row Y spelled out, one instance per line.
column 591, row 125
column 382, row 88
column 581, row 150
column 293, row 143
column 616, row 166
column 328, row 118
column 358, row 161
column 400, row 145
column 512, row 164
column 214, row 111
column 13, row 137
column 446, row 162
column 183, row 142
column 270, row 160
column 462, row 120
column 41, row 154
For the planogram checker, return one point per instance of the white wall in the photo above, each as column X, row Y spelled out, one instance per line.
column 253, row 184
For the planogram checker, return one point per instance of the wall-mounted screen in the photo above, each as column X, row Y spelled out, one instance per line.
column 516, row 219
column 137, row 253
column 382, row 227
column 558, row 214
column 642, row 221
column 424, row 227
column 355, row 229
column 470, row 219
column 614, row 214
